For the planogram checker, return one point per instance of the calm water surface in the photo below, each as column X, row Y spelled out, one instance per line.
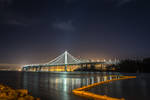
column 58, row 86
column 130, row 89
column 51, row 86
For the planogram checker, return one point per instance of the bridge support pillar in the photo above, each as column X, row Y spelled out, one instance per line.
column 36, row 68
column 65, row 67
column 39, row 68
column 92, row 66
column 24, row 69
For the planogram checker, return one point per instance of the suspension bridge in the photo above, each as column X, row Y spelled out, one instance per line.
column 66, row 62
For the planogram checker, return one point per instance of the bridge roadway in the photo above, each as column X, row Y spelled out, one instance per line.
column 38, row 67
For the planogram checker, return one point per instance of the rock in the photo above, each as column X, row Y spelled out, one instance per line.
column 21, row 98
column 7, row 93
column 22, row 92
column 28, row 97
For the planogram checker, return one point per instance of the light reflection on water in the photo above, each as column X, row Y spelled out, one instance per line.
column 52, row 86
column 62, row 82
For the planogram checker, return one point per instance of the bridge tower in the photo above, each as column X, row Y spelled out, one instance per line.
column 66, row 61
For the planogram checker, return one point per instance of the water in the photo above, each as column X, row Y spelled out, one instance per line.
column 59, row 86
column 48, row 86
column 130, row 89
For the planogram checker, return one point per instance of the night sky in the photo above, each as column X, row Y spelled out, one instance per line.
column 36, row 31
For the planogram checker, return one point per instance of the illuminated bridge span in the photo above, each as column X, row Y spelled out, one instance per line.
column 66, row 62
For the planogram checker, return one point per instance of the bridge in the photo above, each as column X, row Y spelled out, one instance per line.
column 66, row 62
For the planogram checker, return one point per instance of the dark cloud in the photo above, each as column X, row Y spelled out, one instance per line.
column 12, row 18
column 15, row 22
column 123, row 2
column 5, row 3
column 64, row 25
column 69, row 1
column 118, row 2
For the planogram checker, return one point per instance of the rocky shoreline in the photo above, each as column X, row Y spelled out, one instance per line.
column 7, row 93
